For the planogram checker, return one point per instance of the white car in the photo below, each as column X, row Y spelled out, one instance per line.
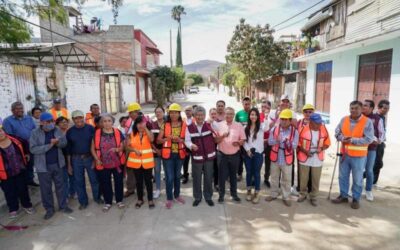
column 193, row 90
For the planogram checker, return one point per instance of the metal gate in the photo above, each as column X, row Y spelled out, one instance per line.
column 374, row 76
column 112, row 94
column 323, row 87
column 25, row 85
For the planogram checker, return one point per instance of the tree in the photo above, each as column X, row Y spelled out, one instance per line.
column 166, row 81
column 253, row 50
column 179, row 77
column 176, row 13
column 197, row 78
column 14, row 30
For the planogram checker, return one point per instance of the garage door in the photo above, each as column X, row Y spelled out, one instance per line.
column 25, row 86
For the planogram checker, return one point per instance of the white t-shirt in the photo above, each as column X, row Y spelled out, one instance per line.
column 314, row 161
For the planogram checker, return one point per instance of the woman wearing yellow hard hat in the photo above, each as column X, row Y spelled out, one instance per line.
column 308, row 110
column 172, row 136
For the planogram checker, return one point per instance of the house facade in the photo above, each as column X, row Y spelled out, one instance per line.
column 357, row 58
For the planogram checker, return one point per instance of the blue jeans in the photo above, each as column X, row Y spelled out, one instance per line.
column 369, row 169
column 157, row 172
column 173, row 168
column 355, row 166
column 253, row 168
column 79, row 165
column 69, row 184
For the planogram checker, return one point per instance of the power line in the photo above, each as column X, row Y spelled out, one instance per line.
column 301, row 12
column 291, row 24
column 77, row 41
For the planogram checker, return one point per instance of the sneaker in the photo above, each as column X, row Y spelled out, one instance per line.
column 180, row 200
column 30, row 210
column 235, row 198
column 48, row 215
column 120, row 205
column 249, row 196
column 256, row 198
column 156, row 194
column 369, row 196
column 168, row 204
column 301, row 198
column 340, row 199
column 196, row 203
column 82, row 207
column 355, row 204
column 210, row 203
column 67, row 210
column 221, row 200
column 288, row 203
column 12, row 215
column 314, row 202
column 270, row 198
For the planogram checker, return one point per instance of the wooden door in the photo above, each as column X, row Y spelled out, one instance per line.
column 323, row 87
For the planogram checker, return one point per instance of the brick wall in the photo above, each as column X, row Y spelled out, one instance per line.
column 82, row 88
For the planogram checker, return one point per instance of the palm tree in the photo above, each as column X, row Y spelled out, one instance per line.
column 176, row 13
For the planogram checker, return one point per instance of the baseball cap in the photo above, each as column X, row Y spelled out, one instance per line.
column 45, row 116
column 315, row 117
column 77, row 113
column 285, row 97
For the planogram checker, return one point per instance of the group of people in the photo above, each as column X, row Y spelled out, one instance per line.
column 218, row 146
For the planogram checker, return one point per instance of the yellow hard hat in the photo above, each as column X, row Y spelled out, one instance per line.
column 175, row 107
column 308, row 106
column 134, row 106
column 286, row 114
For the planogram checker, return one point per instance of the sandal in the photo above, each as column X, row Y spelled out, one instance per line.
column 106, row 208
column 121, row 205
column 139, row 204
column 151, row 205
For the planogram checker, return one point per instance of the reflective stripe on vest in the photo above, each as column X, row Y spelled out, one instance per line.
column 118, row 141
column 305, row 140
column 289, row 152
column 146, row 159
column 3, row 171
column 166, row 150
column 357, row 132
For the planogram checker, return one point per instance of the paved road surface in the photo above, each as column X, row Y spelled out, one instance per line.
column 230, row 226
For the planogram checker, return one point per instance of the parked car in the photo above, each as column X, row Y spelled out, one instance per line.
column 193, row 90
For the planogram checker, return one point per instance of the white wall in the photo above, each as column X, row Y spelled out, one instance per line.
column 128, row 89
column 8, row 93
column 142, row 93
column 83, row 88
column 344, row 83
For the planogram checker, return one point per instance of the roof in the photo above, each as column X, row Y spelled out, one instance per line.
column 153, row 50
column 65, row 53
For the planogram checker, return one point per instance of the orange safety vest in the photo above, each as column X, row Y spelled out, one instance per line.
column 289, row 152
column 305, row 139
column 3, row 171
column 89, row 119
column 63, row 112
column 118, row 140
column 146, row 159
column 357, row 132
column 166, row 150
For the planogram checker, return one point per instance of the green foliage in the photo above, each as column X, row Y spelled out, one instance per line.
column 253, row 50
column 179, row 75
column 197, row 78
column 176, row 13
column 14, row 31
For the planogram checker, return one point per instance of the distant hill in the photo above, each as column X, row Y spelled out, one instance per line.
column 203, row 67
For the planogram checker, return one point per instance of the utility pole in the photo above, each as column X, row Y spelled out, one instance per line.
column 170, row 48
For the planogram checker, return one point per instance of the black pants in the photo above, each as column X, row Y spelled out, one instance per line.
column 15, row 189
column 228, row 167
column 29, row 170
column 241, row 161
column 215, row 171
column 106, row 184
column 144, row 175
column 267, row 161
column 186, row 165
column 380, row 151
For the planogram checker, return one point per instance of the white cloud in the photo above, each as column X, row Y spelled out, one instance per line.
column 147, row 10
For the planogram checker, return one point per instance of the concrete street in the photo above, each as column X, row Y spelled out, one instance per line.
column 376, row 225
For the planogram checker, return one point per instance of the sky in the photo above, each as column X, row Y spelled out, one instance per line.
column 208, row 25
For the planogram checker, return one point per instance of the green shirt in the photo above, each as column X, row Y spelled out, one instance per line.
column 242, row 116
